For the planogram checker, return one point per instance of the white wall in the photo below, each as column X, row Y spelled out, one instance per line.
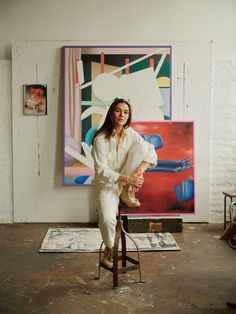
column 152, row 21
column 38, row 192
column 223, row 139
column 6, row 202
column 37, row 140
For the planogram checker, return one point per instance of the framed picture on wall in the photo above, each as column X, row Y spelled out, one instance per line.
column 35, row 99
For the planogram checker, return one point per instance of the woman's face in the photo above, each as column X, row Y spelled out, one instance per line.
column 121, row 114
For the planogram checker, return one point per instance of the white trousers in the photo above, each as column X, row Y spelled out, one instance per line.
column 108, row 196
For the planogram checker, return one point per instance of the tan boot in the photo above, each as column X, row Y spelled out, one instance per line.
column 107, row 257
column 132, row 193
column 128, row 197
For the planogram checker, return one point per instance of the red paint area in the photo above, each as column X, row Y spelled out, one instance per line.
column 157, row 196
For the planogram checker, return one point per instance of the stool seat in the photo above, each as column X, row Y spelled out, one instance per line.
column 121, row 234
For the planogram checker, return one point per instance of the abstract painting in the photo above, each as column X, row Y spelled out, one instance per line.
column 169, row 187
column 93, row 76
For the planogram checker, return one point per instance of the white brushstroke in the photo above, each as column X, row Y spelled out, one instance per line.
column 87, row 150
column 80, row 71
column 92, row 110
column 160, row 64
column 85, row 160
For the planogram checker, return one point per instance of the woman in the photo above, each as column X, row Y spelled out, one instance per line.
column 121, row 156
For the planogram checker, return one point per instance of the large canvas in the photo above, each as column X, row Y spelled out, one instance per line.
column 93, row 77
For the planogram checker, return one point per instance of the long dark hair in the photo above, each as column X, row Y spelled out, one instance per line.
column 108, row 125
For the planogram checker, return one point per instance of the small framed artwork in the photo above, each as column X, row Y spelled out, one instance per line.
column 35, row 100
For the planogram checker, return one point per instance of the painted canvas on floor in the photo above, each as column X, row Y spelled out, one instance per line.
column 89, row 240
column 92, row 78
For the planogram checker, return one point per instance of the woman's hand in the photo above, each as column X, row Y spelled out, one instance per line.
column 135, row 180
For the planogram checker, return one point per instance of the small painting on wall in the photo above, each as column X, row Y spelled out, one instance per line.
column 35, row 100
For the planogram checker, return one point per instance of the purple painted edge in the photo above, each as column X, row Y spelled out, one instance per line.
column 170, row 82
column 63, row 113
column 118, row 46
column 194, row 172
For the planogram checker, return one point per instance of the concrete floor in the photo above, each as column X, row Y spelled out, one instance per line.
column 200, row 278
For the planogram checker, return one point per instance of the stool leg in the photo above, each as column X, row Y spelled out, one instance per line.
column 100, row 259
column 225, row 212
column 123, row 245
column 115, row 255
column 138, row 252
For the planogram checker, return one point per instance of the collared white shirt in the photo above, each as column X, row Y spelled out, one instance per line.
column 109, row 159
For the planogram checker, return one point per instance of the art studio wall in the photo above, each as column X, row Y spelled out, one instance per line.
column 35, row 193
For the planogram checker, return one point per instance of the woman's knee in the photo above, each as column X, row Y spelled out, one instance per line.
column 138, row 148
column 107, row 219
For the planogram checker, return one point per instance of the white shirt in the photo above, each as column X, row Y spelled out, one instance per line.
column 109, row 160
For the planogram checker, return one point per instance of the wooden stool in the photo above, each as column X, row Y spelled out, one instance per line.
column 120, row 234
